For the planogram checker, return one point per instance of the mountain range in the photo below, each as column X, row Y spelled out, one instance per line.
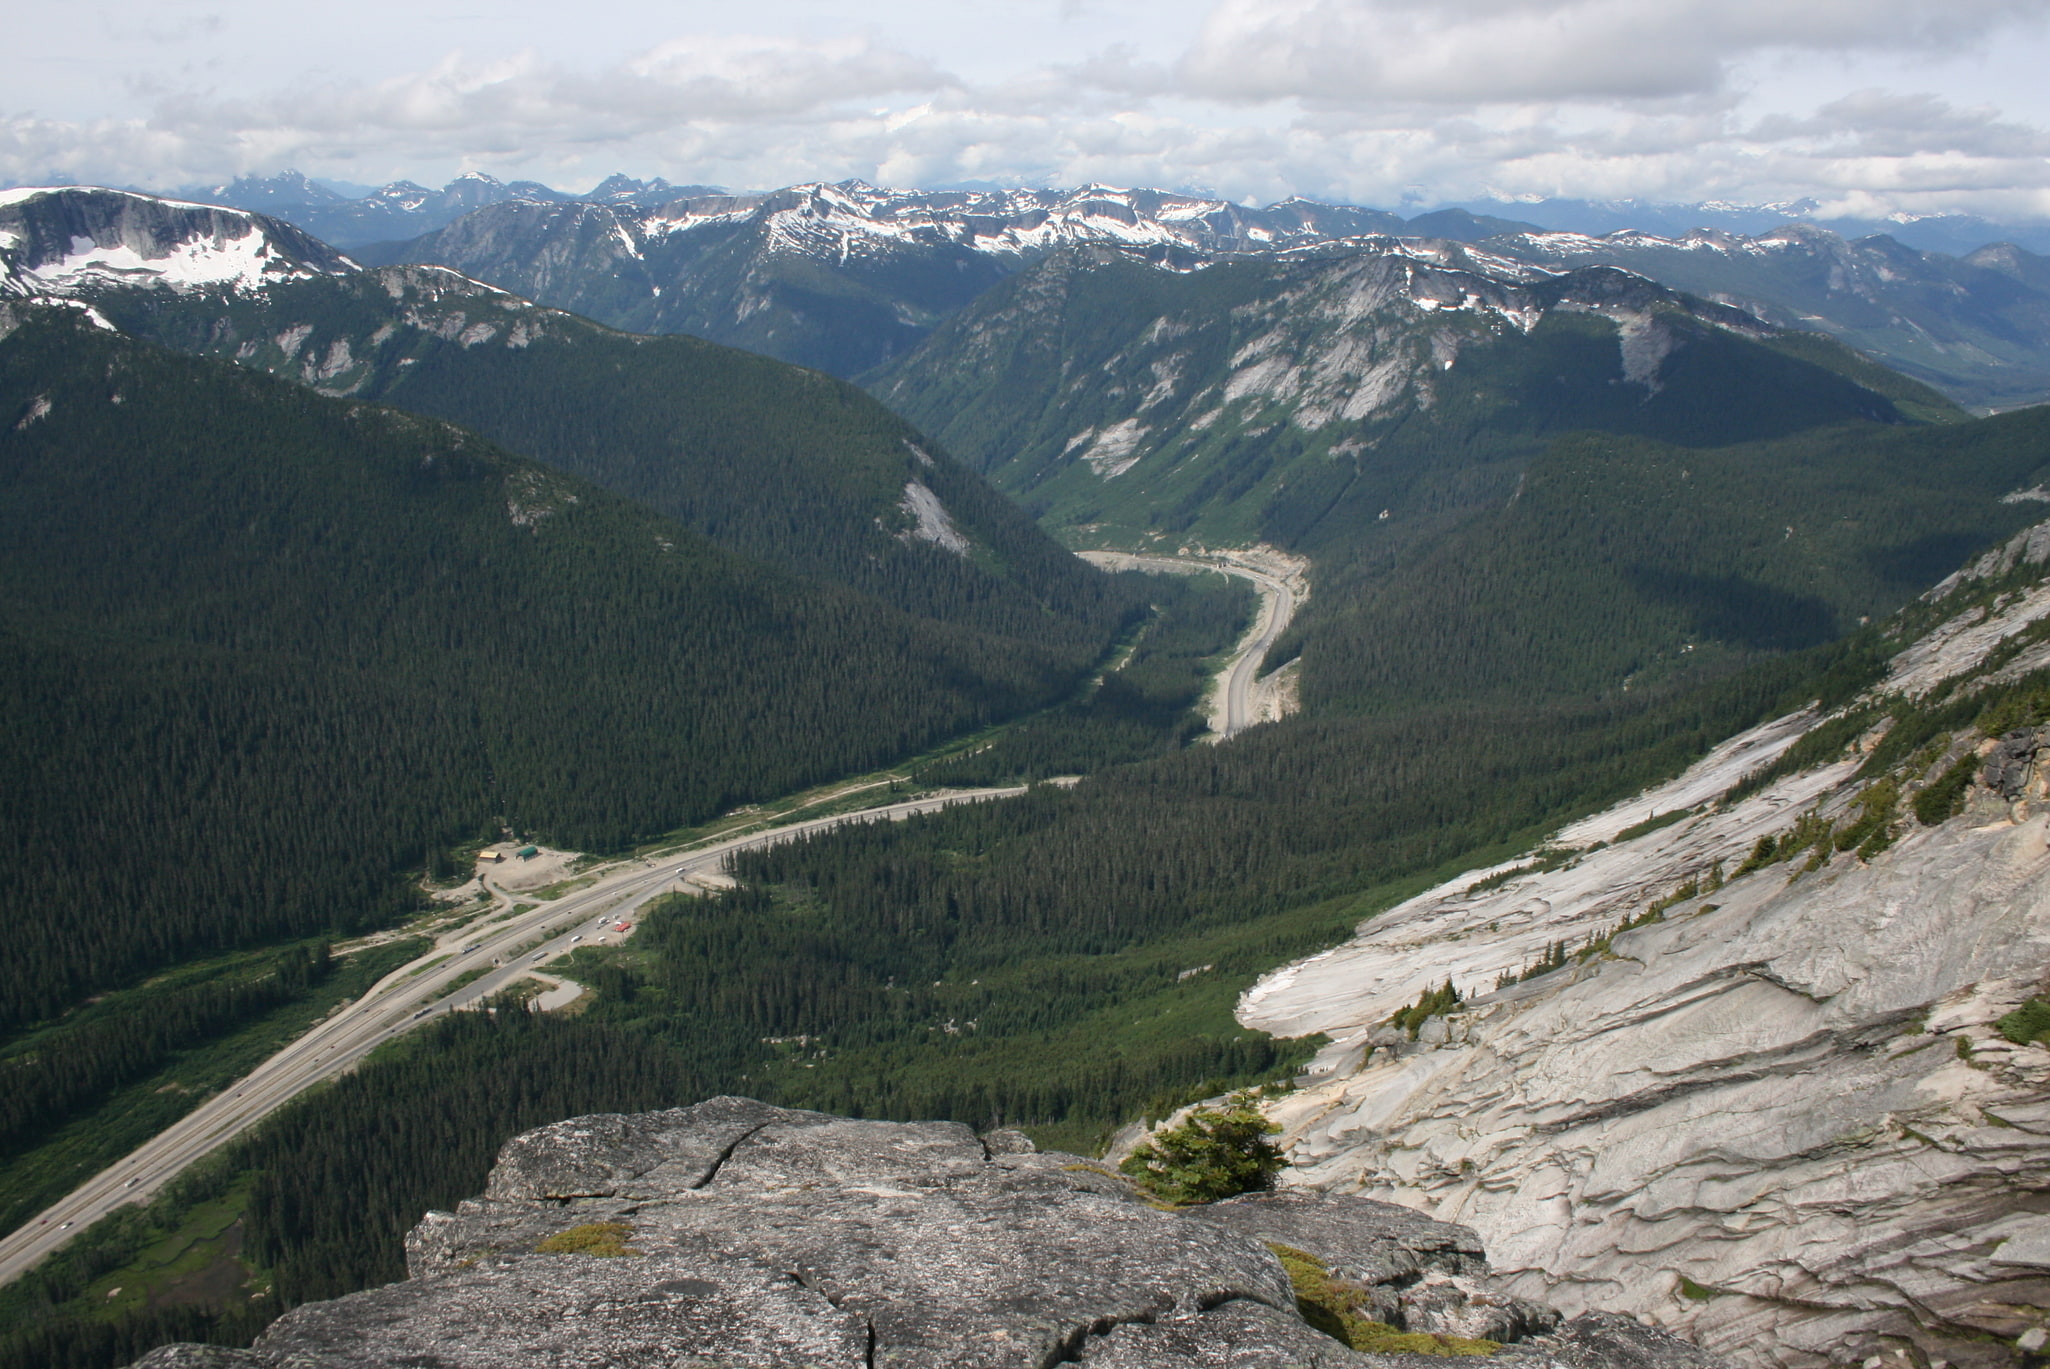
column 846, row 277
column 843, row 277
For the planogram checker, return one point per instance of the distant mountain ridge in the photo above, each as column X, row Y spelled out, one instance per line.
column 847, row 277
column 1953, row 234
column 402, row 208
column 1976, row 327
column 841, row 277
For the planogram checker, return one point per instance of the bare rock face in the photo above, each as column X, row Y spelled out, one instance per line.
column 1777, row 1114
column 738, row 1234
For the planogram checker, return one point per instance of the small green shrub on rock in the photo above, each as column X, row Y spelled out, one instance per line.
column 2029, row 1022
column 1943, row 796
column 1215, row 1153
column 1434, row 1003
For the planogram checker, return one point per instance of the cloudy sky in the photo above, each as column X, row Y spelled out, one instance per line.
column 1870, row 106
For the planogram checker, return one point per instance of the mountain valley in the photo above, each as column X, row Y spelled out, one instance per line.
column 325, row 575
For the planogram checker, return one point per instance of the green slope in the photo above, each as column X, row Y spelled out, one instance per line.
column 263, row 648
column 775, row 462
column 1620, row 561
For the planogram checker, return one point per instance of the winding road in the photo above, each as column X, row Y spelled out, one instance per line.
column 408, row 997
column 1232, row 710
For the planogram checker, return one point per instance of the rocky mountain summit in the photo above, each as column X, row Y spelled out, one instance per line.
column 734, row 1233
column 1755, row 1055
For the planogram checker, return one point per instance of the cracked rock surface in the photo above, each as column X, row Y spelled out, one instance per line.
column 738, row 1234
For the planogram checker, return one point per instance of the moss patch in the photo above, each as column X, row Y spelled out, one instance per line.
column 1701, row 1292
column 604, row 1239
column 1336, row 1308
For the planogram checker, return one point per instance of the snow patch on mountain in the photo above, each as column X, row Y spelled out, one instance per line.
column 70, row 242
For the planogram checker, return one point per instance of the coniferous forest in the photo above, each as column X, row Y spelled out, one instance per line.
column 266, row 649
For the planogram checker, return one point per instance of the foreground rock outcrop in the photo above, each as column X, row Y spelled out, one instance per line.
column 1779, row 1113
column 733, row 1233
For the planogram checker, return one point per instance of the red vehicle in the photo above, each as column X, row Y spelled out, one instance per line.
column 624, row 927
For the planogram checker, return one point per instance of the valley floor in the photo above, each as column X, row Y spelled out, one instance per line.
column 468, row 964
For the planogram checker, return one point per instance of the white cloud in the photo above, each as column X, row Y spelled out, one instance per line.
column 1368, row 100
column 1353, row 52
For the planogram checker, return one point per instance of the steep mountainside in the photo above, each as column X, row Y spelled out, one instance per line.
column 1758, row 1054
column 844, row 277
column 1261, row 399
column 1975, row 327
column 776, row 463
column 265, row 648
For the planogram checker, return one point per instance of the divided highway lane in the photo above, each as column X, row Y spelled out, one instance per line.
column 404, row 999
column 1233, row 710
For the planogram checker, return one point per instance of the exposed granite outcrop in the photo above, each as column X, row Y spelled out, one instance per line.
column 1781, row 1118
column 748, row 1235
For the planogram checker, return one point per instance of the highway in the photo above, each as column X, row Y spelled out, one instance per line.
column 409, row 997
column 1232, row 709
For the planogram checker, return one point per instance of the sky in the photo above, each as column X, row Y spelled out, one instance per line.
column 1869, row 107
